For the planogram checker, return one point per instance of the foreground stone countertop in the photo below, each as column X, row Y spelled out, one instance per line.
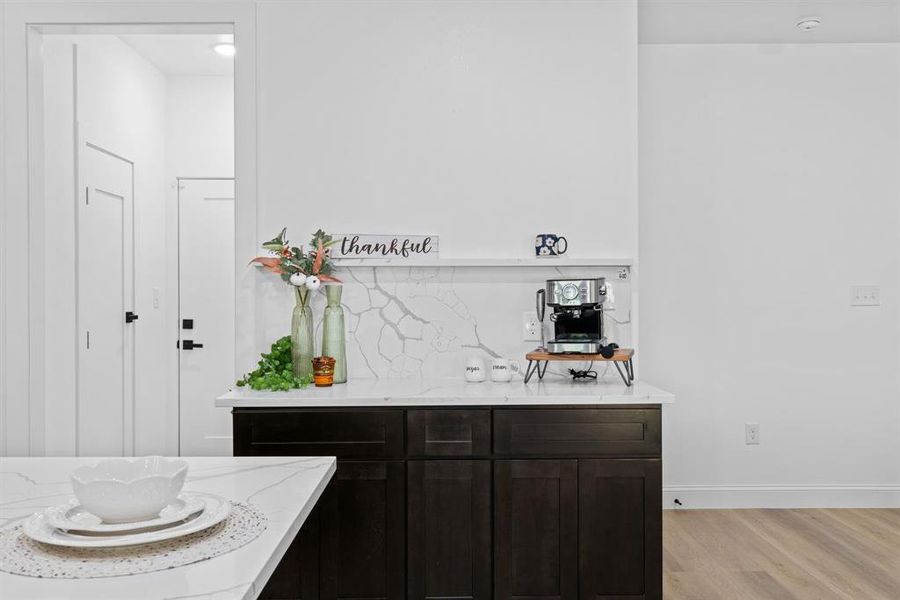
column 452, row 392
column 285, row 489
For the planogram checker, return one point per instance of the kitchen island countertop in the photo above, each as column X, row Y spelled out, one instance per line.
column 285, row 489
column 451, row 392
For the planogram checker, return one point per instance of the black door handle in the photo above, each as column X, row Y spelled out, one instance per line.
column 190, row 345
column 130, row 316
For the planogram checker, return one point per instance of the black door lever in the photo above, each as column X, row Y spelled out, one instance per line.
column 190, row 345
column 130, row 316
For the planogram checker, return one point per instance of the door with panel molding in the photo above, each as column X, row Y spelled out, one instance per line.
column 105, row 301
column 206, row 313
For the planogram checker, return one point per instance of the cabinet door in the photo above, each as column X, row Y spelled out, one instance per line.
column 449, row 512
column 362, row 532
column 620, row 529
column 535, row 529
column 297, row 575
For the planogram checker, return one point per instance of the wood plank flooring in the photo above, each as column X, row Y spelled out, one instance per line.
column 845, row 554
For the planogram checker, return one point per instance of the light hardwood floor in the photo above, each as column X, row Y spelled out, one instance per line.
column 847, row 554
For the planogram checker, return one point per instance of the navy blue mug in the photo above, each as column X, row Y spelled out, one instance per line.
column 550, row 244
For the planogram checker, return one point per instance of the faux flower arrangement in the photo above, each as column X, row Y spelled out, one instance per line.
column 299, row 268
column 289, row 364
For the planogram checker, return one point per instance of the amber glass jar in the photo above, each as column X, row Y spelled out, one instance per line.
column 323, row 371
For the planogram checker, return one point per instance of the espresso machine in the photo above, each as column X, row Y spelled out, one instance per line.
column 577, row 316
column 577, row 320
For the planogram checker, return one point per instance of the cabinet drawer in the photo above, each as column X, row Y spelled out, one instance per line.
column 448, row 432
column 357, row 434
column 577, row 432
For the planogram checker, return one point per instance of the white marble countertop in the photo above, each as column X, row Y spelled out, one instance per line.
column 284, row 488
column 451, row 392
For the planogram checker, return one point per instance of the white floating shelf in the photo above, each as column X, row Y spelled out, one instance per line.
column 484, row 262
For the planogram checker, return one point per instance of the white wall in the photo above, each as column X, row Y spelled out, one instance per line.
column 4, row 365
column 769, row 184
column 483, row 122
column 199, row 126
column 121, row 98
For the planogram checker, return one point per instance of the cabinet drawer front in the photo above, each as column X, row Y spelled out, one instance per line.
column 448, row 432
column 357, row 434
column 577, row 432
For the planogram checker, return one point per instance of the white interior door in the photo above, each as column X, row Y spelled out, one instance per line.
column 206, row 313
column 105, row 274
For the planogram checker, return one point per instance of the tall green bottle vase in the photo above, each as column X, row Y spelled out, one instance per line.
column 302, row 334
column 333, row 340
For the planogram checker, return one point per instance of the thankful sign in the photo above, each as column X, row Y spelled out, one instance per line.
column 358, row 245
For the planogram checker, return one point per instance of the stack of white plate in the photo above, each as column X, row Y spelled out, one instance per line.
column 74, row 526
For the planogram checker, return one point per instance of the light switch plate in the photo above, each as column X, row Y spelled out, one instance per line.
column 865, row 295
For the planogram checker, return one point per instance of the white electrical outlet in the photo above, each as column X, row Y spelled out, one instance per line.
column 155, row 297
column 865, row 295
column 751, row 434
column 531, row 327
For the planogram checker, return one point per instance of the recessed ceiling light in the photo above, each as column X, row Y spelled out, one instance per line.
column 224, row 49
column 808, row 24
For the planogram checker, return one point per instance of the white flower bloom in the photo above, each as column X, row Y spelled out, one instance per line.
column 312, row 283
column 545, row 251
column 298, row 279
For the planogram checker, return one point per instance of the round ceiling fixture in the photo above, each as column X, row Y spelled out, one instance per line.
column 808, row 23
column 224, row 49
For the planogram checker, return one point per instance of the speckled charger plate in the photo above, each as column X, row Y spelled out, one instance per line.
column 21, row 555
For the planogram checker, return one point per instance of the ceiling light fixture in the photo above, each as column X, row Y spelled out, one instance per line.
column 808, row 24
column 224, row 49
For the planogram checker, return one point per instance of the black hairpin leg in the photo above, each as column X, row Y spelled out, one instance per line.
column 534, row 366
column 626, row 372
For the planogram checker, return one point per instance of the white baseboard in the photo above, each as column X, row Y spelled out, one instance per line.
column 782, row 496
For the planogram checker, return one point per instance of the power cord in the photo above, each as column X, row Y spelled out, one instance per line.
column 588, row 373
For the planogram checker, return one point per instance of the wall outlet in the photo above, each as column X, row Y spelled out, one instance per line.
column 531, row 327
column 155, row 297
column 865, row 295
column 751, row 434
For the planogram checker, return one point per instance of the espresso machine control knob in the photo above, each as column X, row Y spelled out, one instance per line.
column 570, row 291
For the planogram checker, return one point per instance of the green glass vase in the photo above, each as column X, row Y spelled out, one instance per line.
column 302, row 334
column 333, row 342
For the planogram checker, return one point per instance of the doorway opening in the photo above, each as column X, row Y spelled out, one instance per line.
column 136, row 163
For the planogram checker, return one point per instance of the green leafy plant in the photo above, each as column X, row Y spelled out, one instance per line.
column 275, row 370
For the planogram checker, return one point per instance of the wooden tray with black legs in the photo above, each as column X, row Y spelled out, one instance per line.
column 537, row 362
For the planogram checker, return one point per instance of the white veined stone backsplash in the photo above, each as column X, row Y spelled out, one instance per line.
column 426, row 321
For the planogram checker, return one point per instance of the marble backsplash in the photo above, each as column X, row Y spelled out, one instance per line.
column 424, row 322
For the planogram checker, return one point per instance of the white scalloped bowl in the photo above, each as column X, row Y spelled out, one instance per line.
column 122, row 490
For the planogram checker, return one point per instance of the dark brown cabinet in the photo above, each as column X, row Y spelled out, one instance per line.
column 361, row 532
column 449, row 520
column 536, row 529
column 619, row 529
column 472, row 503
